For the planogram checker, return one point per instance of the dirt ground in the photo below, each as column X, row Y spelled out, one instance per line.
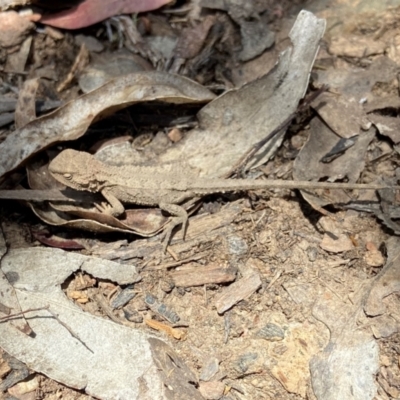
column 273, row 294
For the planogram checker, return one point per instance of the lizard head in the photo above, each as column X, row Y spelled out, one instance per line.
column 76, row 169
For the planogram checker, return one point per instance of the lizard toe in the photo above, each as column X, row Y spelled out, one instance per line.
column 105, row 208
column 168, row 231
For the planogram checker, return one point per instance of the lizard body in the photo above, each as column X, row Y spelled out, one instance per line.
column 149, row 187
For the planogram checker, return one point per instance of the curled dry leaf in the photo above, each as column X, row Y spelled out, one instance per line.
column 71, row 121
column 39, row 177
column 107, row 66
column 46, row 238
column 387, row 126
column 238, row 119
column 89, row 12
column 143, row 222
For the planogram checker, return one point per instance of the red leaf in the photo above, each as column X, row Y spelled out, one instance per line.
column 55, row 241
column 90, row 12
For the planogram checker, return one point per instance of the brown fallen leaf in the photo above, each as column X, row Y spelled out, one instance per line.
column 350, row 164
column 71, row 121
column 341, row 113
column 144, row 222
column 359, row 82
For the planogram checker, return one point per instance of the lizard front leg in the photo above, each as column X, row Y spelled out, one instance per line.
column 114, row 206
column 179, row 215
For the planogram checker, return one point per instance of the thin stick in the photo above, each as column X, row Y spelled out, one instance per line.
column 11, row 316
column 55, row 316
column 73, row 334
column 46, row 195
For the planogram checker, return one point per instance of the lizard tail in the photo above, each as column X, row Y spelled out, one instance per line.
column 210, row 186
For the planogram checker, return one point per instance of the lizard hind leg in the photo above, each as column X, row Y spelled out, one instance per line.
column 179, row 217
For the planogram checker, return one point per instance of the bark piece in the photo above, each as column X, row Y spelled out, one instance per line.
column 238, row 291
column 197, row 276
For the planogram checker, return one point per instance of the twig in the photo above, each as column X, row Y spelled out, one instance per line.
column 73, row 334
column 11, row 316
column 46, row 195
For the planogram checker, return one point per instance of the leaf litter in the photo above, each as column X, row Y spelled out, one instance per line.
column 320, row 327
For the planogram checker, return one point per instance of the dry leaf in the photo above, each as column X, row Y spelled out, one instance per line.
column 71, row 121
column 89, row 12
column 238, row 119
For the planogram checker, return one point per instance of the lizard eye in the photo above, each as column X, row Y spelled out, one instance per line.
column 67, row 176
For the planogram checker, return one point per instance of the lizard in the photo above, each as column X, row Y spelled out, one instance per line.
column 147, row 186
